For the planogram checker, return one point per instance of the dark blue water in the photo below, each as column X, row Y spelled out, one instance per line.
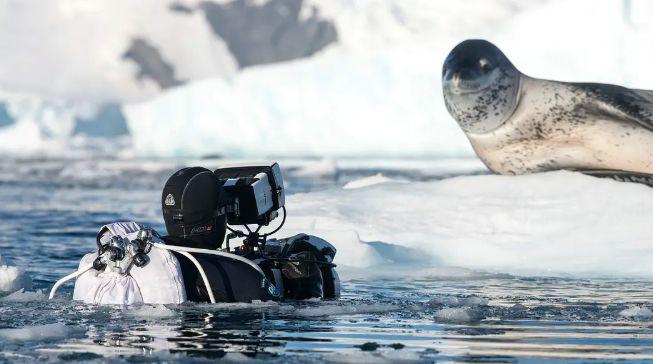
column 50, row 212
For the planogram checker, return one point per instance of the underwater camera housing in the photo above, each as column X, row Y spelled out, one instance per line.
column 199, row 206
column 301, row 266
column 256, row 193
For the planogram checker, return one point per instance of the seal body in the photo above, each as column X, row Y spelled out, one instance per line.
column 518, row 124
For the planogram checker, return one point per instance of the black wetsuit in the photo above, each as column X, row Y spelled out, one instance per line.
column 231, row 280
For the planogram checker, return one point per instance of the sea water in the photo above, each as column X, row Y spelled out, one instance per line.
column 402, row 300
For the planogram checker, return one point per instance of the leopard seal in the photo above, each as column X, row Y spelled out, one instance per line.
column 518, row 124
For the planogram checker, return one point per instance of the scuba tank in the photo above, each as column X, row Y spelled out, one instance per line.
column 126, row 270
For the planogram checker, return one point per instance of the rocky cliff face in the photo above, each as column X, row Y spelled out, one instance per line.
column 271, row 32
column 151, row 63
column 255, row 33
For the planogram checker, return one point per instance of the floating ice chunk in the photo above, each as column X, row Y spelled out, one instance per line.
column 368, row 181
column 150, row 312
column 48, row 332
column 456, row 315
column 451, row 301
column 230, row 306
column 347, row 309
column 637, row 312
column 14, row 278
column 24, row 296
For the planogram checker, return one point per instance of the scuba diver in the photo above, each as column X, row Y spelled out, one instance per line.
column 134, row 264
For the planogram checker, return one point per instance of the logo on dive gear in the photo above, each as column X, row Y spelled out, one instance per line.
column 170, row 200
column 201, row 229
column 272, row 289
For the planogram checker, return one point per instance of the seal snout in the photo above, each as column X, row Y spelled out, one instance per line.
column 459, row 85
column 461, row 79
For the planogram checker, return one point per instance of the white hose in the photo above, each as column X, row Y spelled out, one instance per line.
column 185, row 251
column 69, row 277
column 202, row 273
column 210, row 252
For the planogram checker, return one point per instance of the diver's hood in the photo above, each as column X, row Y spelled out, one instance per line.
column 192, row 202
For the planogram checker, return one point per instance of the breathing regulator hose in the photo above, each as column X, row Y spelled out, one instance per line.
column 200, row 269
column 72, row 275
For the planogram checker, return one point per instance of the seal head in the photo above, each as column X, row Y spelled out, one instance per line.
column 480, row 86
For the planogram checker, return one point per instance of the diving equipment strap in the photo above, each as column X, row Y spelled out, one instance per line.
column 186, row 250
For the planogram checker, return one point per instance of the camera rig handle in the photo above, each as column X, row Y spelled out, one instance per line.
column 253, row 238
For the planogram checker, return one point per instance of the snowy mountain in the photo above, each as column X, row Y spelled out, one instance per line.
column 282, row 77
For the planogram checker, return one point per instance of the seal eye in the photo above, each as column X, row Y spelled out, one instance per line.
column 485, row 65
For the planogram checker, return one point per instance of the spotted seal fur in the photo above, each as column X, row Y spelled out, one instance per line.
column 518, row 124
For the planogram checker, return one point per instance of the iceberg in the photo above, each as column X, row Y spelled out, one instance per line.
column 336, row 105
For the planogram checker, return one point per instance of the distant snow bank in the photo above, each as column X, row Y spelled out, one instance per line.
column 552, row 223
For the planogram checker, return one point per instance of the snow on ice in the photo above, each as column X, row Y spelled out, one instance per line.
column 549, row 223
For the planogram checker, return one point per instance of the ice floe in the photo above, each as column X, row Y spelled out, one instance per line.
column 49, row 332
column 24, row 296
column 549, row 223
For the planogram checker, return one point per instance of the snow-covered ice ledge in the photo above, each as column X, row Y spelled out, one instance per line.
column 551, row 223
